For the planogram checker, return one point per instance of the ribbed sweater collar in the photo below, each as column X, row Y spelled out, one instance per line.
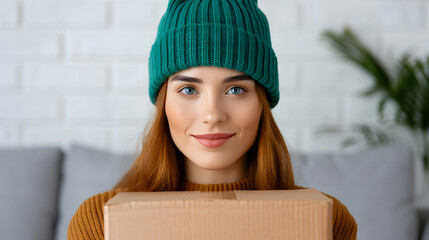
column 243, row 184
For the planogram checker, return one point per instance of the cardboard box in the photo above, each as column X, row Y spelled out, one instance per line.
column 239, row 214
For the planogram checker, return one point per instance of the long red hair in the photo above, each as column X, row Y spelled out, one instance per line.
column 160, row 164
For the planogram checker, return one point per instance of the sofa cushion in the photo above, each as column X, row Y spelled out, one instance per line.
column 29, row 181
column 376, row 185
column 86, row 172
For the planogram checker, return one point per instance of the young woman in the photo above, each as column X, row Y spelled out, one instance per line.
column 214, row 80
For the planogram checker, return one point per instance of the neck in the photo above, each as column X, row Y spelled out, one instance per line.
column 243, row 184
column 212, row 174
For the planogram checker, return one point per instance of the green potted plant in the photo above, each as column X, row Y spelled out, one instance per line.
column 405, row 86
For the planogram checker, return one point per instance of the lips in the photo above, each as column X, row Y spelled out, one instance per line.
column 214, row 135
column 213, row 140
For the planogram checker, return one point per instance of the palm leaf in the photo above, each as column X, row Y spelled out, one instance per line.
column 406, row 86
column 353, row 50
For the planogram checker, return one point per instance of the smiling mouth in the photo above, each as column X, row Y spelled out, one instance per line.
column 212, row 142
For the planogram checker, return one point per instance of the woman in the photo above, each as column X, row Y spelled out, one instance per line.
column 213, row 78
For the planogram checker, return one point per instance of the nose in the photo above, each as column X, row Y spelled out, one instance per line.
column 213, row 110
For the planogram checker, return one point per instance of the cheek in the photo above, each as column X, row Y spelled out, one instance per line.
column 178, row 115
column 247, row 116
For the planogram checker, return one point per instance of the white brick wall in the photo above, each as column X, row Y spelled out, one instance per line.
column 77, row 71
column 9, row 77
column 9, row 136
column 24, row 109
column 427, row 14
column 128, row 78
column 397, row 42
column 306, row 110
column 64, row 14
column 112, row 108
column 19, row 44
column 283, row 14
column 397, row 15
column 63, row 78
column 332, row 78
column 125, row 138
column 137, row 14
column 336, row 13
column 62, row 136
column 109, row 44
column 298, row 43
column 8, row 13
column 288, row 74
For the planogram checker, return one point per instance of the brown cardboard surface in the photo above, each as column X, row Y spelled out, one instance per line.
column 239, row 214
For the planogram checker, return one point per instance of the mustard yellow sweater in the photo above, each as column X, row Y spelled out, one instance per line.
column 88, row 221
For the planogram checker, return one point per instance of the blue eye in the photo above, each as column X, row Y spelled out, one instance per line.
column 191, row 90
column 236, row 90
column 188, row 90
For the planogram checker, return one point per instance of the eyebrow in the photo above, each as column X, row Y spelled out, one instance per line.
column 197, row 80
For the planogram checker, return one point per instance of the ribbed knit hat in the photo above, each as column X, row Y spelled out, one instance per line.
column 233, row 34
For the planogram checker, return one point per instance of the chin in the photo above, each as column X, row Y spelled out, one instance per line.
column 213, row 164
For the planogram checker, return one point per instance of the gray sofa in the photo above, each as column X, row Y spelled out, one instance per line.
column 42, row 187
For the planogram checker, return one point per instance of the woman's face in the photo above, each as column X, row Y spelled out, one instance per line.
column 211, row 100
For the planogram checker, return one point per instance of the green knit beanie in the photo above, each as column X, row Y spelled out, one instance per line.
column 233, row 34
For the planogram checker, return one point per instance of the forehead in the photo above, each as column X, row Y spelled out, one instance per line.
column 207, row 70
column 203, row 74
